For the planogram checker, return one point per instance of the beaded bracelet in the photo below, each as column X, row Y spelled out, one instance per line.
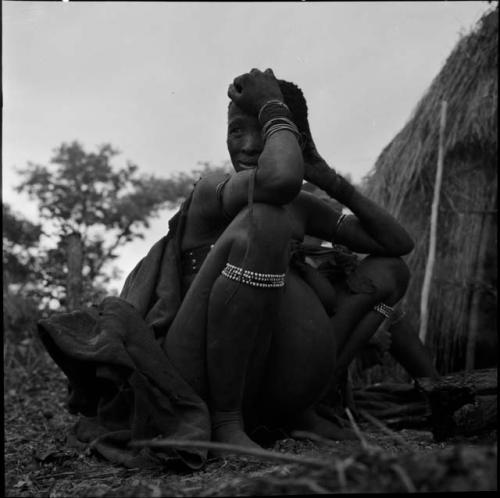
column 279, row 127
column 273, row 109
column 280, row 120
column 272, row 121
column 341, row 220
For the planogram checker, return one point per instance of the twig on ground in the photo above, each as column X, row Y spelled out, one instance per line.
column 86, row 474
column 340, row 467
column 357, row 430
column 405, row 478
column 232, row 448
column 384, row 428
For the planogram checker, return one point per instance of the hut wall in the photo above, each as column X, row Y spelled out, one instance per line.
column 463, row 290
column 466, row 221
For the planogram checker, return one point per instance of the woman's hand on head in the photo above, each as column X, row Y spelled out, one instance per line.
column 252, row 90
column 314, row 165
column 309, row 150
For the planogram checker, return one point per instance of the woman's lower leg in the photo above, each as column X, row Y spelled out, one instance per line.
column 231, row 340
column 407, row 348
column 390, row 279
column 238, row 310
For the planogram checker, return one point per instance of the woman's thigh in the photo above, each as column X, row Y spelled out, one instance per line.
column 185, row 342
column 290, row 371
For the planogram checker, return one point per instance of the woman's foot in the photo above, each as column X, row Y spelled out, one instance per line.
column 227, row 428
column 310, row 421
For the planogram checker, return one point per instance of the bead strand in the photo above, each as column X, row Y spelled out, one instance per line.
column 384, row 309
column 252, row 278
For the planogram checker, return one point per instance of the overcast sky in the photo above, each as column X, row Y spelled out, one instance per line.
column 151, row 77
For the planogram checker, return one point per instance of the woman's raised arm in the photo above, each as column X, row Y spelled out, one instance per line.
column 263, row 141
column 371, row 229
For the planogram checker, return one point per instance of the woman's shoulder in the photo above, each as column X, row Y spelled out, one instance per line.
column 209, row 180
column 207, row 187
column 205, row 202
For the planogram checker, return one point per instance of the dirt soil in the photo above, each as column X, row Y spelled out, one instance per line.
column 40, row 462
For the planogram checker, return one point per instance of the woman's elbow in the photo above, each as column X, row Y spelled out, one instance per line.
column 284, row 187
column 287, row 190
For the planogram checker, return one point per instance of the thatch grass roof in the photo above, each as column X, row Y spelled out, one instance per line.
column 403, row 180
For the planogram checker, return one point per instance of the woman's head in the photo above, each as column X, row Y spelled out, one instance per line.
column 244, row 140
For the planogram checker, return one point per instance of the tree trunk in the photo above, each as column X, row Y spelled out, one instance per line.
column 74, row 257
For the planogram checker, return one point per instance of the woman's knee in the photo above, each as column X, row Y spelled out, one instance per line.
column 390, row 276
column 397, row 278
column 267, row 232
column 271, row 224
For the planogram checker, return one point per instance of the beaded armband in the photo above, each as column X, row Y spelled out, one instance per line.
column 383, row 309
column 253, row 278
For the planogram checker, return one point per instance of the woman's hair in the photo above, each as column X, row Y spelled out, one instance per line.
column 295, row 100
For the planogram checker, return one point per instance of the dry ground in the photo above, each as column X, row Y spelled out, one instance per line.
column 39, row 462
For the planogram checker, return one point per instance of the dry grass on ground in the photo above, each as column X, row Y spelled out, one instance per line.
column 39, row 462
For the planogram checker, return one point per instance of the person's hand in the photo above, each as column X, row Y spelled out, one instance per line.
column 310, row 152
column 316, row 169
column 252, row 90
column 382, row 339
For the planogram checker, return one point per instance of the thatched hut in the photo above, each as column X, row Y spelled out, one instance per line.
column 463, row 289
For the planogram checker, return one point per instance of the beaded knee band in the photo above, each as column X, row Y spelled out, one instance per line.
column 252, row 277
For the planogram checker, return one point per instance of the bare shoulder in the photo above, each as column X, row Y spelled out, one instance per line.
column 205, row 196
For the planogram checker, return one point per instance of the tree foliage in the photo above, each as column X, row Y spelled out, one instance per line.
column 82, row 193
column 20, row 240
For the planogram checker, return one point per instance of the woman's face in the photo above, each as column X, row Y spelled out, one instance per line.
column 244, row 139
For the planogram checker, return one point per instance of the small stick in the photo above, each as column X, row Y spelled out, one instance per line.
column 357, row 430
column 405, row 478
column 340, row 467
column 431, row 256
column 85, row 474
column 232, row 448
column 384, row 428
